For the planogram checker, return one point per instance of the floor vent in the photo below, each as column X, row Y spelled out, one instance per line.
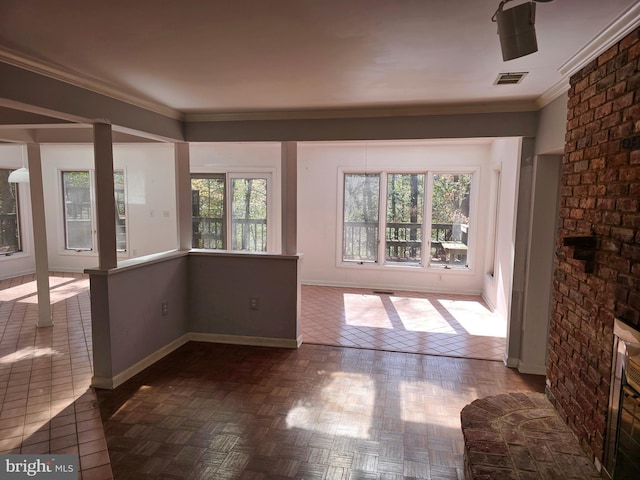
column 382, row 292
column 512, row 78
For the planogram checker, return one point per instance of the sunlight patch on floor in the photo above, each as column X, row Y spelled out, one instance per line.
column 475, row 318
column 345, row 407
column 365, row 311
column 419, row 315
column 27, row 292
column 28, row 353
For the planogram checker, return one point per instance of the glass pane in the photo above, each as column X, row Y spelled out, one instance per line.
column 450, row 219
column 207, row 212
column 9, row 219
column 77, row 210
column 361, row 206
column 405, row 201
column 249, row 214
column 121, row 217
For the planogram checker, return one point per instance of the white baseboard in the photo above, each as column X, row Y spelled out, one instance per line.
column 120, row 378
column 511, row 362
column 532, row 369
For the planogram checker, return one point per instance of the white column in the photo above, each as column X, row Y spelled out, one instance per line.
column 39, row 235
column 105, row 203
column 289, row 169
column 183, row 196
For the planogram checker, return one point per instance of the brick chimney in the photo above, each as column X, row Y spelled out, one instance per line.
column 597, row 268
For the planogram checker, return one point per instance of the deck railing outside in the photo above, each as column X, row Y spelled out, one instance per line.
column 403, row 241
column 247, row 234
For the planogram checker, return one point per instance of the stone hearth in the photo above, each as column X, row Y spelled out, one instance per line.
column 520, row 436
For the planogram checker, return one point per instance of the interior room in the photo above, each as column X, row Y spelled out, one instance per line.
column 468, row 221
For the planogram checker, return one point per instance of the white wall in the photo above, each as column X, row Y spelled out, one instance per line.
column 319, row 164
column 552, row 125
column 150, row 193
column 538, row 289
column 24, row 262
column 505, row 154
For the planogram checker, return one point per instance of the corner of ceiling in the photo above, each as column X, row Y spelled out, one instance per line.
column 609, row 36
column 49, row 70
column 612, row 33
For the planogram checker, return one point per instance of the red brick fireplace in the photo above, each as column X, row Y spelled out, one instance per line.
column 597, row 268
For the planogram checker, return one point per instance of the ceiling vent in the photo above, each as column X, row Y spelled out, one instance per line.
column 512, row 78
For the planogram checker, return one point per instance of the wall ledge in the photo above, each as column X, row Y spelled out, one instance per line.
column 138, row 262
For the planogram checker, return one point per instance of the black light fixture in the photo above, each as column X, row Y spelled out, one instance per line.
column 516, row 29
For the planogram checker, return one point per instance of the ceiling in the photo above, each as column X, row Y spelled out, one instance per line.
column 202, row 58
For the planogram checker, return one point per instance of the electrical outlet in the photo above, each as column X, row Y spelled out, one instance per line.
column 165, row 309
column 253, row 303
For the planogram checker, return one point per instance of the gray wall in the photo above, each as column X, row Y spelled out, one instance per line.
column 126, row 313
column 220, row 288
column 207, row 294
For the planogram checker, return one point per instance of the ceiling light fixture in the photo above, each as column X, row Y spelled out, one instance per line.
column 516, row 29
column 20, row 175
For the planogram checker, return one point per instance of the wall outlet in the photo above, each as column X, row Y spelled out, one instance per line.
column 165, row 308
column 254, row 303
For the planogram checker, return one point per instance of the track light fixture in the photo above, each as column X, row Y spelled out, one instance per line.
column 516, row 29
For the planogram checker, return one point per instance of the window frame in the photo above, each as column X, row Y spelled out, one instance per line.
column 93, row 251
column 223, row 177
column 230, row 175
column 425, row 264
column 91, row 211
column 18, row 217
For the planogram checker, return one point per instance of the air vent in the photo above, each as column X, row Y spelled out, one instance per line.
column 510, row 78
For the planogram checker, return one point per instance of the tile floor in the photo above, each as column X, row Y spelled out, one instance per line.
column 412, row 322
column 220, row 411
column 46, row 404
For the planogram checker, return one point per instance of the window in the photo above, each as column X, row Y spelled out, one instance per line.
column 405, row 209
column 246, row 227
column 360, row 231
column 79, row 212
column 10, row 239
column 408, row 215
column 450, row 219
column 208, row 212
column 78, row 224
column 121, row 211
column 249, row 214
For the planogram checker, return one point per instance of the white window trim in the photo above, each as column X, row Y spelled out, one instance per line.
column 93, row 252
column 26, row 227
column 273, row 185
column 425, row 265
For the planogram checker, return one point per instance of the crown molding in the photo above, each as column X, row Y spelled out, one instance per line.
column 40, row 67
column 613, row 33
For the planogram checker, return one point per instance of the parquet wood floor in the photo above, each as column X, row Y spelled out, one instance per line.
column 225, row 412
column 211, row 411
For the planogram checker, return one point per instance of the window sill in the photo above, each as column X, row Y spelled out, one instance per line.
column 434, row 269
column 13, row 256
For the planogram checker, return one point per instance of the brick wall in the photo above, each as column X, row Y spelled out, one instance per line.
column 600, row 195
